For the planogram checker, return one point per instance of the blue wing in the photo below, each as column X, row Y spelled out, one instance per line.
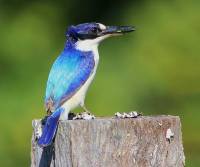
column 68, row 73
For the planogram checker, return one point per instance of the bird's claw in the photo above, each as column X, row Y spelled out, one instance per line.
column 71, row 116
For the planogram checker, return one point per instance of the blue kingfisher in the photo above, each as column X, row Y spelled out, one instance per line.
column 72, row 73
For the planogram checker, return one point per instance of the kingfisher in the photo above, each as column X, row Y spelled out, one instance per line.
column 72, row 73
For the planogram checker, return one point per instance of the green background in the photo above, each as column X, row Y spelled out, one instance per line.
column 154, row 70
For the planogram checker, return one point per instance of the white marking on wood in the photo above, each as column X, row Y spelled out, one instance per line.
column 169, row 134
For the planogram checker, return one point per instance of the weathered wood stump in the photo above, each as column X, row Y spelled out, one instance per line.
column 109, row 142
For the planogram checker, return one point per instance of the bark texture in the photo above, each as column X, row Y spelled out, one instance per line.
column 110, row 142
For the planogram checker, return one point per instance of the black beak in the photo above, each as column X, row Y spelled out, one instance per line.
column 117, row 30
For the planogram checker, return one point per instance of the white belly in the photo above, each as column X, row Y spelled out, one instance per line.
column 78, row 98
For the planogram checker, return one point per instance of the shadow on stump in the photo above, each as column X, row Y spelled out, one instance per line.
column 48, row 154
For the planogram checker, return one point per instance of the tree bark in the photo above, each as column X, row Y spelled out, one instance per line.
column 113, row 142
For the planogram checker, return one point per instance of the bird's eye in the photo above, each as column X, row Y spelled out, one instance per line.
column 95, row 30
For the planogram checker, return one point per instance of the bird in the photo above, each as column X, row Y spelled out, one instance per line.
column 72, row 73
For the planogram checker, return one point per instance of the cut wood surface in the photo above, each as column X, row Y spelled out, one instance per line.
column 111, row 142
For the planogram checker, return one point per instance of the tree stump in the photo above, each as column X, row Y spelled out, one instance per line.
column 111, row 142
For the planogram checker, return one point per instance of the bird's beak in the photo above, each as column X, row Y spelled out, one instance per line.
column 115, row 30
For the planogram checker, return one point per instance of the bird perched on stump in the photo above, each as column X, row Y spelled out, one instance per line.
column 72, row 73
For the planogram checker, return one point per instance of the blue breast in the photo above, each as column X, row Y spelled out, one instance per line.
column 68, row 73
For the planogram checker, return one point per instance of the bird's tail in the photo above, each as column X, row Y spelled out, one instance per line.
column 50, row 128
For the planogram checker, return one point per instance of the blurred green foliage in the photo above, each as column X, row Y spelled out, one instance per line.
column 154, row 70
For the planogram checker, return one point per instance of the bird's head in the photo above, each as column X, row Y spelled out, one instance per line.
column 88, row 35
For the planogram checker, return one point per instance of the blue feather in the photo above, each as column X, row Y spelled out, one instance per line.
column 68, row 73
column 49, row 129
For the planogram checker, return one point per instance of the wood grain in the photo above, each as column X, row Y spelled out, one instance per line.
column 110, row 142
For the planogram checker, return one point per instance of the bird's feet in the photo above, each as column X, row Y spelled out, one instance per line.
column 71, row 116
column 86, row 110
column 133, row 114
column 86, row 115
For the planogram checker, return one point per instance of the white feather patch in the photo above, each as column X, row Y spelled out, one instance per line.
column 102, row 27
